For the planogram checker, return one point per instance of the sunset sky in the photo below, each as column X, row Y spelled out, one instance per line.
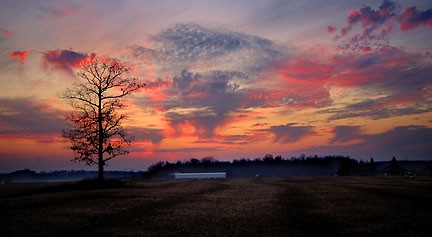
column 225, row 78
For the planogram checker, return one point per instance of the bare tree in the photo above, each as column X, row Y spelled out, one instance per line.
column 96, row 134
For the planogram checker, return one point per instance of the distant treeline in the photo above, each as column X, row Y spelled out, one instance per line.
column 270, row 166
column 27, row 175
column 267, row 166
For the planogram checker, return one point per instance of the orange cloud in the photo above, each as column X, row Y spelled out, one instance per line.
column 155, row 90
column 20, row 55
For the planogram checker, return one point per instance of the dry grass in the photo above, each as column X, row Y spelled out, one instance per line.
column 339, row 206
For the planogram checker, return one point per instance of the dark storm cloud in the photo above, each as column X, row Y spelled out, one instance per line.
column 290, row 132
column 65, row 60
column 26, row 117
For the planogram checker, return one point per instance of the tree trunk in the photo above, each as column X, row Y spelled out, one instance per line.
column 101, row 139
column 101, row 170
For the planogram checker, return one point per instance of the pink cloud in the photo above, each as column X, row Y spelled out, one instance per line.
column 371, row 19
column 412, row 18
column 376, row 24
column 20, row 55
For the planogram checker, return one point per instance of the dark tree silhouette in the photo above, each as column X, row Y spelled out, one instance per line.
column 394, row 167
column 208, row 160
column 372, row 166
column 97, row 135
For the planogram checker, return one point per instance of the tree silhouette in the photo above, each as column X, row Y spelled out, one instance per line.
column 394, row 167
column 372, row 166
column 97, row 135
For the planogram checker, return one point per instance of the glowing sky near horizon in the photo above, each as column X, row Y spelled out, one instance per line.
column 228, row 79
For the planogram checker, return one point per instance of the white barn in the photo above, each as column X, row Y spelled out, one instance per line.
column 212, row 175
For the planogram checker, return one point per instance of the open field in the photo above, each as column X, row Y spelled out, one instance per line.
column 309, row 206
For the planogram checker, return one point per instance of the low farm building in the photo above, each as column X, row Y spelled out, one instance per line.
column 212, row 175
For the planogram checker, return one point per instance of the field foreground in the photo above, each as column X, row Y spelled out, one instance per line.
column 316, row 206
